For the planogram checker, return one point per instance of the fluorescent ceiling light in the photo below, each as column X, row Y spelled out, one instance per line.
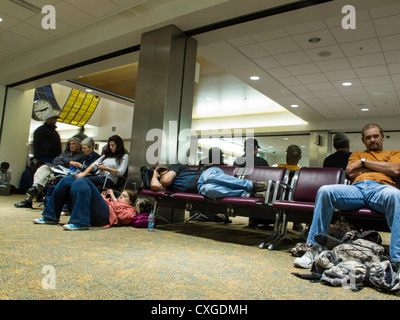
column 255, row 78
column 294, row 105
column 364, row 109
column 346, row 84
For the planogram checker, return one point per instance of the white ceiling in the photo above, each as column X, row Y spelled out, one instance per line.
column 291, row 69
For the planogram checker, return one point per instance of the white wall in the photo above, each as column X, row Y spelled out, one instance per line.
column 13, row 144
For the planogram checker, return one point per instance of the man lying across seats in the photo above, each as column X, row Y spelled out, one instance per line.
column 373, row 174
column 212, row 182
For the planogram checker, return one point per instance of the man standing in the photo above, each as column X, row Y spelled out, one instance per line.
column 373, row 174
column 340, row 158
column 46, row 140
column 250, row 158
column 44, row 174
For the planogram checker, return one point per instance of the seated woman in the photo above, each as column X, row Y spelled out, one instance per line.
column 88, row 206
column 111, row 165
column 89, row 155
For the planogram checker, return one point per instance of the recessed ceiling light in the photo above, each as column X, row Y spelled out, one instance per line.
column 1, row 19
column 364, row 109
column 314, row 40
column 255, row 78
column 346, row 84
column 294, row 105
column 285, row 138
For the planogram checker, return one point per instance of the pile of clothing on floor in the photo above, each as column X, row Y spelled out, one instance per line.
column 356, row 261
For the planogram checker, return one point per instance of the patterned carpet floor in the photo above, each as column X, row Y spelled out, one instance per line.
column 193, row 261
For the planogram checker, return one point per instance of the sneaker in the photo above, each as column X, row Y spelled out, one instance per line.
column 65, row 213
column 259, row 187
column 27, row 203
column 45, row 221
column 308, row 258
column 73, row 227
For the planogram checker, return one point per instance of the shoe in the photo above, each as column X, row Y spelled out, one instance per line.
column 297, row 226
column 73, row 227
column 32, row 191
column 65, row 213
column 44, row 221
column 259, row 187
column 27, row 203
column 307, row 260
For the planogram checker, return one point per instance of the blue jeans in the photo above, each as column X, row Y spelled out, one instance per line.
column 371, row 194
column 214, row 184
column 86, row 203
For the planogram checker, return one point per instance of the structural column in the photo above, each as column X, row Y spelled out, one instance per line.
column 164, row 99
column 320, row 147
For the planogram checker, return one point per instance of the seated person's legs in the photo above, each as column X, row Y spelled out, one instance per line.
column 57, row 200
column 87, row 205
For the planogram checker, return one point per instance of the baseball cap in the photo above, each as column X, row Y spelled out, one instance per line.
column 51, row 115
column 251, row 141
column 293, row 150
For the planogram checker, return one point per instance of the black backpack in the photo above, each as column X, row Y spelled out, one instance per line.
column 146, row 174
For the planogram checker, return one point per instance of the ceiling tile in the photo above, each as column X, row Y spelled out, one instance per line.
column 347, row 92
column 376, row 81
column 16, row 11
column 302, row 69
column 367, row 60
column 396, row 78
column 320, row 86
column 384, row 11
column 325, row 53
column 289, row 59
column 344, row 75
column 301, row 91
column 8, row 21
column 269, row 35
column 364, row 30
column 326, row 94
column 372, row 71
column 394, row 68
column 390, row 42
column 279, row 72
column 357, row 48
column 97, row 8
column 387, row 26
column 333, row 64
column 28, row 31
column 306, row 27
column 71, row 15
column 242, row 41
column 312, row 78
column 325, row 35
column 16, row 40
column 253, row 51
column 281, row 45
column 392, row 56
column 290, row 81
column 267, row 62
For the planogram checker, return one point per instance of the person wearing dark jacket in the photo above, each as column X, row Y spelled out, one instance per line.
column 250, row 158
column 45, row 173
column 46, row 140
column 340, row 158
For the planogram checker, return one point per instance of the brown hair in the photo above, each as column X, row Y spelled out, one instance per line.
column 369, row 126
column 131, row 195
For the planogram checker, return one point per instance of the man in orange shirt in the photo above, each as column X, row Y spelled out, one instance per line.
column 373, row 173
